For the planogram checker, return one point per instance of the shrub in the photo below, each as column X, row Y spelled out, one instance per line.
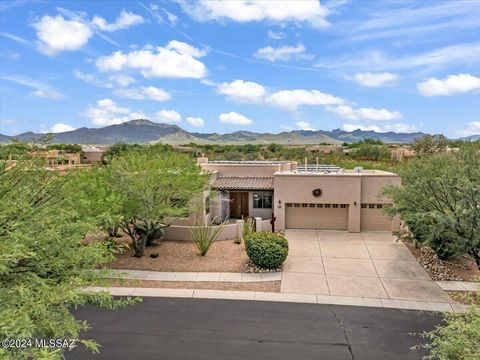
column 204, row 235
column 266, row 249
column 458, row 338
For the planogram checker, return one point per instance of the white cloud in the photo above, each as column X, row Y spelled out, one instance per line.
column 123, row 21
column 365, row 113
column 168, row 116
column 143, row 93
column 61, row 127
column 468, row 53
column 107, row 112
column 234, row 118
column 41, row 90
column 374, row 79
column 399, row 127
column 47, row 94
column 307, row 11
column 292, row 99
column 472, row 129
column 275, row 35
column 55, row 34
column 452, row 84
column 282, row 53
column 242, row 91
column 91, row 79
column 176, row 60
column 303, row 125
column 121, row 80
column 195, row 121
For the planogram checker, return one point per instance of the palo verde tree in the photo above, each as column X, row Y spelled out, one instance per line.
column 155, row 184
column 44, row 262
column 439, row 200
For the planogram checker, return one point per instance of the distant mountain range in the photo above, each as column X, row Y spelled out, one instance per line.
column 144, row 131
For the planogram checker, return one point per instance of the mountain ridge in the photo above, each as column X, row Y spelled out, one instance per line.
column 143, row 131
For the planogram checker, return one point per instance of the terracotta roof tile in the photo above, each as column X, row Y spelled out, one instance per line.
column 243, row 183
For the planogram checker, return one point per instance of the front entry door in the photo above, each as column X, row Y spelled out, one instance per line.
column 238, row 204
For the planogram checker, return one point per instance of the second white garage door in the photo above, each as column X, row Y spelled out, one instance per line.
column 316, row 216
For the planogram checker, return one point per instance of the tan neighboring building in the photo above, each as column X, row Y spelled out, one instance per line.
column 402, row 153
column 298, row 197
column 323, row 149
column 58, row 159
column 91, row 154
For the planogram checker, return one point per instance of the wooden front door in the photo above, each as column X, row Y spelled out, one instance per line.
column 238, row 204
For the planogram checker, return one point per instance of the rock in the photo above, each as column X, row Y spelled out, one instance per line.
column 435, row 266
column 154, row 255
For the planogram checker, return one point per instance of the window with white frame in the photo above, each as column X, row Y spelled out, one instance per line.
column 262, row 200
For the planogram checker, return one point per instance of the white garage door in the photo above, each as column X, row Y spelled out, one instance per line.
column 316, row 216
column 372, row 218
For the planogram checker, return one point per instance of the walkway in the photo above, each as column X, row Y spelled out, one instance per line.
column 359, row 265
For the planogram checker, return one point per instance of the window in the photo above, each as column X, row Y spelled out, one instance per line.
column 262, row 200
column 311, row 205
column 343, row 206
column 289, row 204
column 379, row 206
column 335, row 206
column 364, row 206
column 297, row 205
column 371, row 206
column 320, row 205
column 327, row 205
column 304, row 205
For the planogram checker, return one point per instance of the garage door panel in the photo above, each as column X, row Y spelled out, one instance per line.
column 316, row 218
column 374, row 220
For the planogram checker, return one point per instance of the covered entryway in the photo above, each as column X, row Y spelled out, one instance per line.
column 372, row 218
column 238, row 204
column 316, row 216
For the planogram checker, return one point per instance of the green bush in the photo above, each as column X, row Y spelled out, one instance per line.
column 266, row 249
column 248, row 228
column 457, row 338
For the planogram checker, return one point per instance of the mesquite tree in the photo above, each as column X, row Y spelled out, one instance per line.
column 44, row 262
column 155, row 185
column 439, row 200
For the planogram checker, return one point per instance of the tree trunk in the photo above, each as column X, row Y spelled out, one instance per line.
column 139, row 246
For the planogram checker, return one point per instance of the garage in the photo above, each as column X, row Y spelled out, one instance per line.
column 316, row 216
column 372, row 218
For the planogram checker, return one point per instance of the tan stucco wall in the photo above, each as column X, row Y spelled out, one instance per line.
column 241, row 170
column 336, row 189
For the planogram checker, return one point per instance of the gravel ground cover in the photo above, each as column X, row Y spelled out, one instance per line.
column 270, row 286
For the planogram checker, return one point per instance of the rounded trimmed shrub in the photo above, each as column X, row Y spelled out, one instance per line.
column 266, row 249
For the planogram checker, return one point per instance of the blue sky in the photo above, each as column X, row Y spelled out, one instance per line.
column 223, row 66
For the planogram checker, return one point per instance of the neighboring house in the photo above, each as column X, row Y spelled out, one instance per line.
column 402, row 153
column 58, row 159
column 323, row 149
column 91, row 155
column 186, row 149
column 312, row 197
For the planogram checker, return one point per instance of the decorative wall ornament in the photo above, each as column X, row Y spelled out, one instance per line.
column 317, row 192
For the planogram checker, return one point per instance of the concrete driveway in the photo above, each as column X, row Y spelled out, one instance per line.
column 368, row 264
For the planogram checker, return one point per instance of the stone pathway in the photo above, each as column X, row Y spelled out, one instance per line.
column 359, row 265
column 194, row 276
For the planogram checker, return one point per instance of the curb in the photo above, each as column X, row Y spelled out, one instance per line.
column 282, row 297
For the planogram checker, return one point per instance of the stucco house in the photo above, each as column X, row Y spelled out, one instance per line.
column 301, row 197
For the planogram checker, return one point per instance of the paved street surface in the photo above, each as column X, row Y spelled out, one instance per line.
column 167, row 328
column 367, row 264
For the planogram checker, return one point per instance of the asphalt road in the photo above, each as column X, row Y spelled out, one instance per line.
column 166, row 328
